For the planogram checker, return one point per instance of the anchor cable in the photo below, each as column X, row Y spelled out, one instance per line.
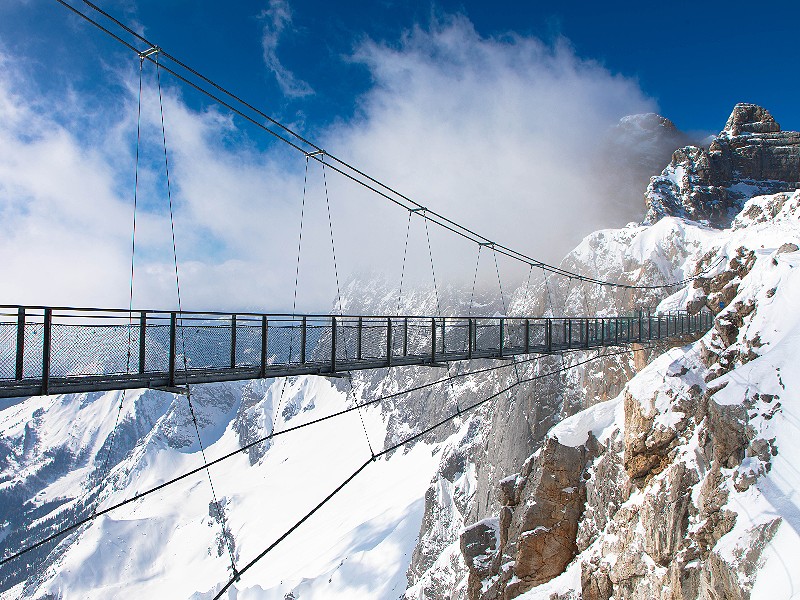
column 220, row 510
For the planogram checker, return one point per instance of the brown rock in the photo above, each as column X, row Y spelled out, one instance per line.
column 479, row 546
column 750, row 118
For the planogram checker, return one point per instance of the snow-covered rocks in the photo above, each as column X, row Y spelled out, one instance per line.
column 692, row 490
column 750, row 156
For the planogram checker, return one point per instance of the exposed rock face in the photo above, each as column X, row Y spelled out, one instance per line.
column 663, row 502
column 750, row 156
column 536, row 529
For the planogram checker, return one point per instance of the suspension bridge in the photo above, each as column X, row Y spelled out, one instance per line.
column 57, row 350
column 45, row 350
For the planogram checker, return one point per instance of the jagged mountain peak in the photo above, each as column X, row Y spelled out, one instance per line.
column 750, row 118
column 751, row 156
column 646, row 122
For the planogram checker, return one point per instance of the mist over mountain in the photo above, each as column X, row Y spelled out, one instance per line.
column 664, row 472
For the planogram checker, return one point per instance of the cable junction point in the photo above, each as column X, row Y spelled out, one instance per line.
column 315, row 153
column 149, row 52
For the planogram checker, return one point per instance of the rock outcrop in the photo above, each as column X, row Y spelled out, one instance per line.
column 675, row 496
column 537, row 527
column 750, row 156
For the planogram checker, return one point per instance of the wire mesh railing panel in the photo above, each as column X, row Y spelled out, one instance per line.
column 84, row 350
column 317, row 341
column 558, row 332
column 537, row 334
column 373, row 339
column 346, row 340
column 283, row 344
column 8, row 350
column 487, row 335
column 593, row 331
column 156, row 348
column 248, row 345
column 514, row 332
column 204, row 346
column 419, row 337
column 455, row 336
column 575, row 331
column 398, row 336
column 34, row 342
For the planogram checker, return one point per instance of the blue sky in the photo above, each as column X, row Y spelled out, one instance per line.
column 481, row 110
column 695, row 59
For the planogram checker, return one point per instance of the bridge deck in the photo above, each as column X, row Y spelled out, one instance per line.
column 47, row 350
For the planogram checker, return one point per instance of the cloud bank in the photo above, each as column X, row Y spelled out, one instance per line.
column 501, row 134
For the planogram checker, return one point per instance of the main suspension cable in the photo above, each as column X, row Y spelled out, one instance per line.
column 385, row 451
column 248, row 446
column 345, row 169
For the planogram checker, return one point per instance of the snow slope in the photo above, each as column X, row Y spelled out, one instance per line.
column 745, row 442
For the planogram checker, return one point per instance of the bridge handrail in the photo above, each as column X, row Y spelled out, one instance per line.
column 54, row 349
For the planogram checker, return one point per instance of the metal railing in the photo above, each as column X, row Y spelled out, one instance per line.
column 47, row 350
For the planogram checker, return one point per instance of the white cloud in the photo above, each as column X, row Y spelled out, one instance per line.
column 277, row 19
column 499, row 134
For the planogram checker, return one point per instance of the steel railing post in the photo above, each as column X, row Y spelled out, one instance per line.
column 264, row 342
column 527, row 336
column 433, row 340
column 548, row 332
column 233, row 341
column 602, row 332
column 502, row 334
column 569, row 342
column 142, row 340
column 469, row 338
column 172, row 345
column 360, row 331
column 46, row 349
column 640, row 324
column 20, row 366
column 333, row 342
column 303, row 330
column 389, row 342
column 587, row 333
column 405, row 336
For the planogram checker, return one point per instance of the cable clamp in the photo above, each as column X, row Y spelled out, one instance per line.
column 489, row 244
column 314, row 153
column 150, row 51
column 418, row 209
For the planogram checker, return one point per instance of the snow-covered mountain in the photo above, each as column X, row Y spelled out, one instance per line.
column 683, row 489
column 684, row 485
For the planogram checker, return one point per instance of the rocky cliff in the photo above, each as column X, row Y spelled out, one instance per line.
column 684, row 485
column 750, row 156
